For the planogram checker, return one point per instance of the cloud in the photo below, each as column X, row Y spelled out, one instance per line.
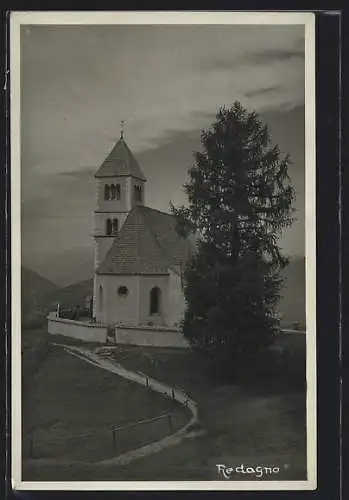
column 255, row 58
column 77, row 174
column 272, row 55
column 259, row 92
column 79, row 82
column 167, row 82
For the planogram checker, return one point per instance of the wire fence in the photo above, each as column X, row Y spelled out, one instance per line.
column 167, row 416
column 113, row 439
column 108, row 442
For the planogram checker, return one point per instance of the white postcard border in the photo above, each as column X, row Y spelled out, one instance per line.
column 132, row 18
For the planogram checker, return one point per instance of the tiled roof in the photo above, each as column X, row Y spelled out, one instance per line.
column 120, row 162
column 147, row 244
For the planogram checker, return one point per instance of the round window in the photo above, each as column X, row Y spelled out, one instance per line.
column 122, row 291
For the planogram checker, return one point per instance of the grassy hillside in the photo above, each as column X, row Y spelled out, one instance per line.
column 259, row 418
column 60, row 411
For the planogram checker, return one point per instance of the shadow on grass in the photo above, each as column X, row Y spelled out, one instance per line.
column 71, row 405
column 252, row 411
column 253, row 414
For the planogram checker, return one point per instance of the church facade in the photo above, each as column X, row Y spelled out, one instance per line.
column 139, row 257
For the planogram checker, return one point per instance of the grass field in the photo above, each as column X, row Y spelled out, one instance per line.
column 68, row 397
column 257, row 420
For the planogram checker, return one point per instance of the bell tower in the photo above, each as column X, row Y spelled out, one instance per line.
column 120, row 185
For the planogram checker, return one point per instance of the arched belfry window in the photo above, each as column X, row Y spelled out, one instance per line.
column 106, row 192
column 100, row 298
column 138, row 194
column 155, row 296
column 118, row 192
column 115, row 226
column 113, row 191
column 108, row 227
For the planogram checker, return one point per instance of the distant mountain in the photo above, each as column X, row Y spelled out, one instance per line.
column 40, row 295
column 34, row 285
column 69, row 296
column 65, row 267
column 34, row 289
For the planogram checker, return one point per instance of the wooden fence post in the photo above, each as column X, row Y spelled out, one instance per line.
column 170, row 422
column 31, row 447
column 114, row 437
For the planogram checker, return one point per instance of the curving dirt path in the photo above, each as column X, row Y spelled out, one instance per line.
column 181, row 397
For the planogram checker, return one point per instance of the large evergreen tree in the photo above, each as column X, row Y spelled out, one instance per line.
column 240, row 198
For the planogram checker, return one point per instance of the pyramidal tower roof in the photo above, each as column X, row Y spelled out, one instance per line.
column 120, row 163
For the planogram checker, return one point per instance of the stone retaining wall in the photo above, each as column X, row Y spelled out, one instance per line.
column 92, row 332
column 89, row 332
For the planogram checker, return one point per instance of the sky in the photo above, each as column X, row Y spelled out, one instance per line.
column 166, row 82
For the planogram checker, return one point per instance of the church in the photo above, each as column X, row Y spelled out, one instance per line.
column 139, row 257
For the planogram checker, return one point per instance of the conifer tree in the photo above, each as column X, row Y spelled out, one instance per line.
column 239, row 202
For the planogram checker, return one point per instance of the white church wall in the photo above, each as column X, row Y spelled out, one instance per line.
column 90, row 332
column 150, row 336
column 76, row 329
column 146, row 285
column 176, row 301
column 116, row 308
column 134, row 308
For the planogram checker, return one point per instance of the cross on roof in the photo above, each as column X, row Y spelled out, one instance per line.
column 122, row 123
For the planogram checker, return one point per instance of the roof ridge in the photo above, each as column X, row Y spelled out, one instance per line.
column 157, row 210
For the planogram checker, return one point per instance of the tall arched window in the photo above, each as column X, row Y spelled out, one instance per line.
column 113, row 192
column 106, row 192
column 118, row 191
column 155, row 296
column 115, row 226
column 100, row 298
column 108, row 227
